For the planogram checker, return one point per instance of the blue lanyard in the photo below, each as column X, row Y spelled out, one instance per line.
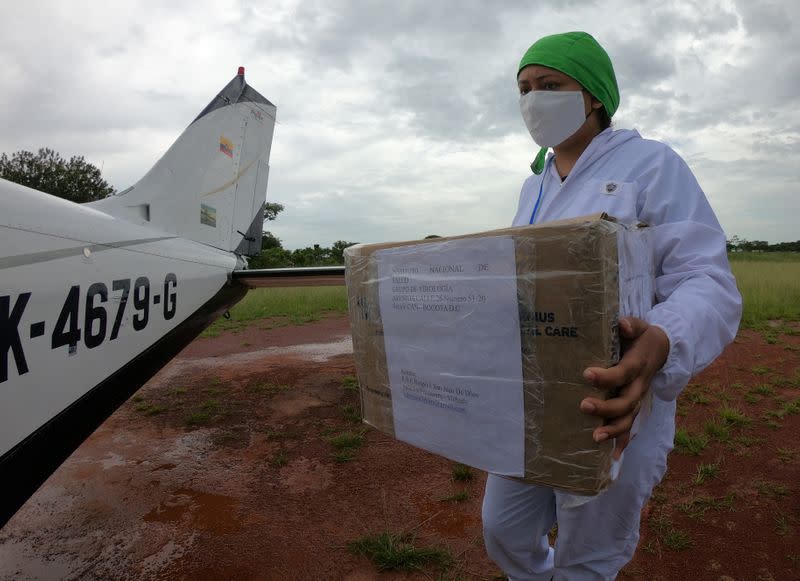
column 541, row 185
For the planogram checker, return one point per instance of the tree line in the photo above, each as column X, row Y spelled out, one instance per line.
column 274, row 255
column 74, row 179
column 736, row 244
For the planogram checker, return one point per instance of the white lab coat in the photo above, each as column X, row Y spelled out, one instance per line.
column 698, row 307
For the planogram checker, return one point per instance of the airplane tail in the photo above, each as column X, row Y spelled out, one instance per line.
column 210, row 186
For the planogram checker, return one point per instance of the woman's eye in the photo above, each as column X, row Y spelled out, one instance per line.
column 550, row 86
column 524, row 91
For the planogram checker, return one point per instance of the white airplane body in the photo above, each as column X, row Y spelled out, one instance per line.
column 95, row 298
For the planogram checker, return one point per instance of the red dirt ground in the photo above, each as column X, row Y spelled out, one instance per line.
column 222, row 468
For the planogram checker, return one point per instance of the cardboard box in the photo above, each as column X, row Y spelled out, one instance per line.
column 473, row 347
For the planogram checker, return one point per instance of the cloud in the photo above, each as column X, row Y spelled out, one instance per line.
column 401, row 120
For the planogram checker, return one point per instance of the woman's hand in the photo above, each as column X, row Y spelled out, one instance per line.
column 645, row 349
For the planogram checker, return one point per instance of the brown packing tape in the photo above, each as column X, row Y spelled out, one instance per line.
column 568, row 300
column 574, row 279
column 369, row 348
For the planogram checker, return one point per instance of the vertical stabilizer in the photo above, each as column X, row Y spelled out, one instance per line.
column 210, row 186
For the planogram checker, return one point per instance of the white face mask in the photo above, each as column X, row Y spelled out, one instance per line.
column 552, row 116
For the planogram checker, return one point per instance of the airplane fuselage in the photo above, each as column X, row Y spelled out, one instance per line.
column 95, row 298
column 88, row 303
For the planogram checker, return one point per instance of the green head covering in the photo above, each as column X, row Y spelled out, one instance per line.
column 580, row 56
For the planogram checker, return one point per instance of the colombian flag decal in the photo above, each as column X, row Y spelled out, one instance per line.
column 226, row 146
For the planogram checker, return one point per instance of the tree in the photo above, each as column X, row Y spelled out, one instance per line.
column 311, row 256
column 75, row 180
column 271, row 211
column 269, row 240
column 337, row 251
column 272, row 258
column 734, row 243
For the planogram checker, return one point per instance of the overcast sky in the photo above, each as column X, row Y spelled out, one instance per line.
column 401, row 119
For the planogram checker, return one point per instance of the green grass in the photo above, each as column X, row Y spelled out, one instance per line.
column 351, row 413
column 782, row 525
column 733, row 416
column 650, row 547
column 346, row 445
column 770, row 285
column 677, row 540
column 210, row 405
column 698, row 398
column 460, row 496
column 761, row 257
column 671, row 537
column 788, row 381
column 394, row 551
column 291, row 305
column 208, row 411
column 706, row 472
column 718, row 431
column 267, row 387
column 347, row 440
column 749, row 441
column 350, row 383
column 344, row 455
column 752, row 398
column 763, row 390
column 787, row 409
column 660, row 522
column 688, row 443
column 698, row 506
column 771, row 489
column 280, row 459
column 462, row 473
column 199, row 418
column 149, row 409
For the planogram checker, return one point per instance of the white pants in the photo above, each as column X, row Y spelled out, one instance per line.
column 595, row 540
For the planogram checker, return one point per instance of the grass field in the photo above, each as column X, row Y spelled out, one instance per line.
column 284, row 306
column 768, row 281
column 770, row 285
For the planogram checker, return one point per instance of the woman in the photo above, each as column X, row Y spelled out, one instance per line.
column 568, row 95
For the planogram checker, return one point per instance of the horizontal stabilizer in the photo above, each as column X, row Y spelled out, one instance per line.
column 285, row 277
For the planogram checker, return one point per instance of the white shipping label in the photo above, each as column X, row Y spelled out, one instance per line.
column 451, row 328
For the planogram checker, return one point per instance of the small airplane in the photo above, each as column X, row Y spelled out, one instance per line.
column 95, row 298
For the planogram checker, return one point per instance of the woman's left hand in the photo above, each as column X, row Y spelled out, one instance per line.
column 645, row 349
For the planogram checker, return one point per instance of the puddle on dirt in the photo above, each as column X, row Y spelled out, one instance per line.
column 213, row 512
column 112, row 460
column 316, row 352
column 19, row 562
column 166, row 555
